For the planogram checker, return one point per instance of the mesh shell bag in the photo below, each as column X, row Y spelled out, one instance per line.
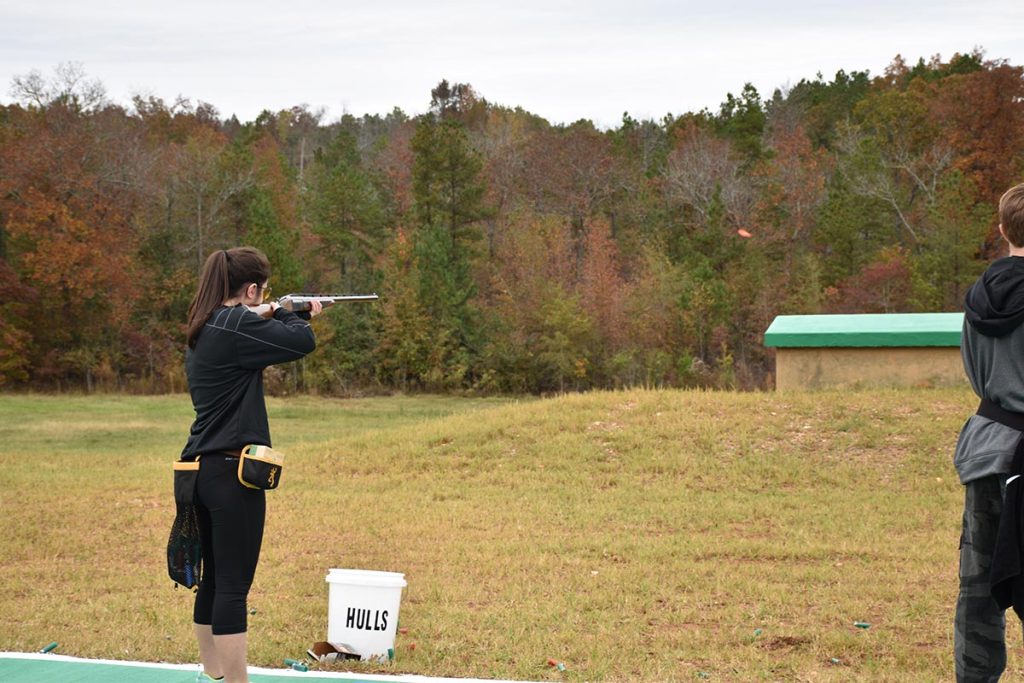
column 184, row 550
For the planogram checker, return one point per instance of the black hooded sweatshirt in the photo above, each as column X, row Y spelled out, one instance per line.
column 995, row 303
column 994, row 310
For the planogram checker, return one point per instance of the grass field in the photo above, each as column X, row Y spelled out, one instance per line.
column 643, row 535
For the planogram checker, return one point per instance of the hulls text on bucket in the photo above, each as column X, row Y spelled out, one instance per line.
column 366, row 620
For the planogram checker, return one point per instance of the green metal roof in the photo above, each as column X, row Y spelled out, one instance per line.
column 870, row 329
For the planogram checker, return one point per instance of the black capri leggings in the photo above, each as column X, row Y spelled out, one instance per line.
column 231, row 519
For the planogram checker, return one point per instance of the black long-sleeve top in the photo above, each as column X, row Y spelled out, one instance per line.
column 225, row 375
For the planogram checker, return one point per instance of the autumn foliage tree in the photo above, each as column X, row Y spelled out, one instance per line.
column 511, row 254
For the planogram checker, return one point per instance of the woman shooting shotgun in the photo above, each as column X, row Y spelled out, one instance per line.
column 229, row 345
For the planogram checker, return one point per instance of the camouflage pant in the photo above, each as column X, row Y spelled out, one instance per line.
column 979, row 638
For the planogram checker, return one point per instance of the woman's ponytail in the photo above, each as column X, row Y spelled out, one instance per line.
column 224, row 274
column 214, row 290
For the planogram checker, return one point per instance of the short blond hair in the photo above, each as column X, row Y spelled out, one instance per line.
column 1011, row 214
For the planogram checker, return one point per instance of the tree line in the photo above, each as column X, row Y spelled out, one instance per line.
column 511, row 254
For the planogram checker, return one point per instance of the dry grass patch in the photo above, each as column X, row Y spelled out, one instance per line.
column 643, row 535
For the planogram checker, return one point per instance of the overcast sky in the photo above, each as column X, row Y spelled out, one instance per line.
column 561, row 60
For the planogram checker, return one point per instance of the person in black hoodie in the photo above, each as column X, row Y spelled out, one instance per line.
column 992, row 347
column 228, row 347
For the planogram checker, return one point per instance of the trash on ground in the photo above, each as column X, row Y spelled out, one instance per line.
column 296, row 665
column 326, row 653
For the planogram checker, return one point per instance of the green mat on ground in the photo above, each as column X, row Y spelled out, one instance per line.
column 16, row 667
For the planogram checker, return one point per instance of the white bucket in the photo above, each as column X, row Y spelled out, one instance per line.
column 362, row 610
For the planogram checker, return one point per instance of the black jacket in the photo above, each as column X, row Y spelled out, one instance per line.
column 225, row 375
column 1006, row 575
column 994, row 308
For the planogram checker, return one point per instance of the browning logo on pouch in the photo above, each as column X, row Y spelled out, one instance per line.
column 259, row 467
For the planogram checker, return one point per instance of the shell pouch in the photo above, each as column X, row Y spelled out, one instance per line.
column 259, row 467
column 184, row 551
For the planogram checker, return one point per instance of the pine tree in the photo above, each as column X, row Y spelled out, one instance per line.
column 347, row 210
column 448, row 196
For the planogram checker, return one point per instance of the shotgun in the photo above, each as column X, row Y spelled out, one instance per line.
column 302, row 302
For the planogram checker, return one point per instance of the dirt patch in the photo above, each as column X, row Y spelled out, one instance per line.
column 784, row 643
